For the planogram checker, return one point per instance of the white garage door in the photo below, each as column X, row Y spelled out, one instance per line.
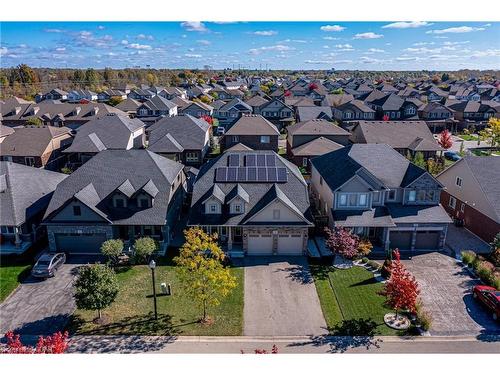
column 260, row 244
column 290, row 244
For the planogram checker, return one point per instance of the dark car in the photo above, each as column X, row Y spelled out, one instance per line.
column 489, row 297
column 48, row 264
column 452, row 155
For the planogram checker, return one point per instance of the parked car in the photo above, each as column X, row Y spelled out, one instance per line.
column 452, row 155
column 220, row 130
column 48, row 264
column 489, row 297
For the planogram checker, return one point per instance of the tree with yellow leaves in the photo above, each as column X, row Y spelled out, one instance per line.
column 202, row 271
column 492, row 132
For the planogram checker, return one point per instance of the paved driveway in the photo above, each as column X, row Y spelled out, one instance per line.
column 280, row 298
column 40, row 307
column 445, row 291
column 459, row 239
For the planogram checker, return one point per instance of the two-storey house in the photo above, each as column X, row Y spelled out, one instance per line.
column 253, row 131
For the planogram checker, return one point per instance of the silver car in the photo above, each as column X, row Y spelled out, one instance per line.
column 48, row 264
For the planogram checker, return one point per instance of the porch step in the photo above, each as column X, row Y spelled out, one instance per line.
column 312, row 249
column 236, row 254
column 323, row 250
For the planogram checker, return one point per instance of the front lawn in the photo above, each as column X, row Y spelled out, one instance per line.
column 349, row 300
column 132, row 312
column 468, row 137
column 11, row 274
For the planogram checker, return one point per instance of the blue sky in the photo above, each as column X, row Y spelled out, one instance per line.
column 277, row 45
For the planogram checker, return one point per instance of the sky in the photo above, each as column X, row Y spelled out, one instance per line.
column 261, row 45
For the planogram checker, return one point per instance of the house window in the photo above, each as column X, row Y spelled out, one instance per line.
column 352, row 200
column 458, row 182
column 77, row 211
column 343, row 200
column 421, row 195
column 7, row 230
column 119, row 202
column 376, row 196
column 412, row 196
column 265, row 139
column 235, row 139
column 462, row 207
column 29, row 161
column 276, row 214
column 362, row 201
column 144, row 202
column 453, row 202
column 305, row 161
column 191, row 156
column 212, row 208
column 391, row 195
column 237, row 208
column 431, row 194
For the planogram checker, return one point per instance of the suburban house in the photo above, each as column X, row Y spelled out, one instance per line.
column 353, row 110
column 54, row 94
column 129, row 106
column 172, row 92
column 380, row 195
column 5, row 131
column 39, row 147
column 111, row 132
column 141, row 94
column 156, row 107
column 472, row 194
column 24, row 195
column 122, row 194
column 256, row 201
column 253, row 131
column 107, row 95
column 256, row 102
column 277, row 112
column 313, row 138
column 306, row 113
column 229, row 113
column 438, row 117
column 406, row 137
column 471, row 113
column 75, row 96
column 198, row 109
column 181, row 138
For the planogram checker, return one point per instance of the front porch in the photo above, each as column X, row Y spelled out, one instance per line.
column 12, row 241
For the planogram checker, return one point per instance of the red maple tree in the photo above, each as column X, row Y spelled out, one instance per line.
column 55, row 344
column 288, row 93
column 208, row 119
column 385, row 118
column 343, row 242
column 401, row 290
column 313, row 86
column 445, row 140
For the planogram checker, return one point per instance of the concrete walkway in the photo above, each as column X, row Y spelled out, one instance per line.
column 281, row 298
column 459, row 239
column 295, row 344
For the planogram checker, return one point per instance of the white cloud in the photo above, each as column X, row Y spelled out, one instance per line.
column 195, row 26
column 317, row 62
column 192, row 55
column 61, row 49
column 293, row 41
column 265, row 32
column 344, row 47
column 404, row 58
column 124, row 42
column 330, row 28
column 455, row 43
column 139, row 46
column 53, row 30
column 369, row 60
column 456, row 30
column 278, row 48
column 375, row 50
column 487, row 53
column 144, row 36
column 100, row 27
column 204, row 42
column 3, row 51
column 330, row 38
column 369, row 35
column 406, row 25
column 418, row 44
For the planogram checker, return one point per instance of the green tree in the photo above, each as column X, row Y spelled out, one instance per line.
column 34, row 121
column 419, row 160
column 143, row 248
column 445, row 77
column 152, row 79
column 202, row 271
column 112, row 249
column 495, row 250
column 115, row 100
column 109, row 76
column 78, row 77
column 95, row 288
column 91, row 77
column 491, row 133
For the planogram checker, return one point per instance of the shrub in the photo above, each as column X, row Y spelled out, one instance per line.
column 468, row 257
column 365, row 260
column 476, row 262
column 485, row 274
column 496, row 283
column 386, row 268
column 144, row 247
column 364, row 247
column 112, row 249
column 374, row 264
column 425, row 319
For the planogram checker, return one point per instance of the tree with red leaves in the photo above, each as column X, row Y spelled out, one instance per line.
column 288, row 93
column 313, row 86
column 401, row 290
column 385, row 118
column 55, row 344
column 445, row 140
column 342, row 242
column 208, row 119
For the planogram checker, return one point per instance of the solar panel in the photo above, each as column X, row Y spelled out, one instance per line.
column 261, row 160
column 262, row 174
column 242, row 174
column 234, row 160
column 232, row 174
column 270, row 160
column 251, row 160
column 220, row 174
column 252, row 174
column 272, row 174
column 282, row 175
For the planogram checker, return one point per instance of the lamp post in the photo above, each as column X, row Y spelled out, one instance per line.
column 152, row 266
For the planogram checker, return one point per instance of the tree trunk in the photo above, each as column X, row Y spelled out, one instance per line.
column 204, row 310
column 99, row 314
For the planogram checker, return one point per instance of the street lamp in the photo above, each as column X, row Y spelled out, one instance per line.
column 152, row 266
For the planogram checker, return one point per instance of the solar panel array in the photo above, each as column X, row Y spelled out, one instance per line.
column 251, row 174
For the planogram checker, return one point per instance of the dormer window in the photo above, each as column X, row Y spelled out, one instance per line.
column 119, row 202
column 212, row 208
column 391, row 195
column 143, row 202
column 77, row 211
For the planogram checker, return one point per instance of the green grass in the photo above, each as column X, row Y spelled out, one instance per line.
column 178, row 314
column 10, row 277
column 485, row 153
column 468, row 137
column 350, row 301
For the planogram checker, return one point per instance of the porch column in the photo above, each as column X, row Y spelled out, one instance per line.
column 18, row 239
column 386, row 240
column 229, row 239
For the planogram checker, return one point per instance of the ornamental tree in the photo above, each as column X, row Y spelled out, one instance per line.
column 95, row 288
column 342, row 242
column 208, row 119
column 492, row 132
column 313, row 86
column 202, row 271
column 55, row 344
column 143, row 248
column 401, row 290
column 385, row 118
column 445, row 140
column 287, row 93
column 112, row 249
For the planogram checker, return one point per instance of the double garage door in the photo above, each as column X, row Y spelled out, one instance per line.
column 426, row 240
column 79, row 243
column 262, row 244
